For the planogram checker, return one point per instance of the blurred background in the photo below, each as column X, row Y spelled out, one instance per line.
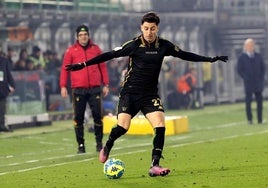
column 206, row 27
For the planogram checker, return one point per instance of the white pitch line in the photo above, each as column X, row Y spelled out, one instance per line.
column 33, row 161
column 13, row 164
column 178, row 138
column 31, row 153
column 218, row 127
column 48, row 166
column 46, row 159
column 137, row 151
column 213, row 140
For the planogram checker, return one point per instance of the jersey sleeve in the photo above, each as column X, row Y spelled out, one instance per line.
column 175, row 51
column 122, row 51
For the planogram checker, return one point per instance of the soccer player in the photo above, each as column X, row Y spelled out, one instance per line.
column 139, row 91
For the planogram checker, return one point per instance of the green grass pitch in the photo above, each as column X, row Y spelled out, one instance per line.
column 220, row 150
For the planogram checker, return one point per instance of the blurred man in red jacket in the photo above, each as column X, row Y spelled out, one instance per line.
column 88, row 86
column 186, row 85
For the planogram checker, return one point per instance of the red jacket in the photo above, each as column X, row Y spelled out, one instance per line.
column 91, row 76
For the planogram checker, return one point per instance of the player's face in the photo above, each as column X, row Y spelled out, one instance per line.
column 149, row 31
column 83, row 38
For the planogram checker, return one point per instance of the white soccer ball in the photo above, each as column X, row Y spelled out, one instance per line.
column 114, row 168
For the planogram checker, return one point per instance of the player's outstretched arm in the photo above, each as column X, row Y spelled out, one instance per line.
column 96, row 60
column 189, row 56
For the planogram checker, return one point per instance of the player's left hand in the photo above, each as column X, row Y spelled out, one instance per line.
column 74, row 67
column 221, row 58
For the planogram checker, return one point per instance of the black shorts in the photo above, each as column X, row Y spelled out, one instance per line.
column 133, row 103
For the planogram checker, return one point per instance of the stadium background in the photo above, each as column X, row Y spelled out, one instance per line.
column 208, row 27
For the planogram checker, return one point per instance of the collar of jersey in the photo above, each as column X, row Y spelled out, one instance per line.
column 147, row 44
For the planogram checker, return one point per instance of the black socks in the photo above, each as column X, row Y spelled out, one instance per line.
column 158, row 144
column 116, row 132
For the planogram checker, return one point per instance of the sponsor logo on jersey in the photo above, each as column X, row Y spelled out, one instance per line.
column 151, row 52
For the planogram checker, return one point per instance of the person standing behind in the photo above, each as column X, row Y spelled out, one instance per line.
column 251, row 68
column 37, row 58
column 87, row 86
column 186, row 87
column 7, row 85
column 20, row 65
column 10, row 54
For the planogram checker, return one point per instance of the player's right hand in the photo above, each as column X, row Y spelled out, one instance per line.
column 221, row 58
column 75, row 67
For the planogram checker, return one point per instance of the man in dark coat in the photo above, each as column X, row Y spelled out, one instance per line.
column 251, row 68
column 7, row 85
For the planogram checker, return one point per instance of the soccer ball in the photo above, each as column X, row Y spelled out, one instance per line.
column 114, row 168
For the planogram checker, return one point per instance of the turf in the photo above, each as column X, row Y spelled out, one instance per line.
column 220, row 150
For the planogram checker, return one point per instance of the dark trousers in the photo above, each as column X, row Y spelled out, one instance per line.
column 3, row 102
column 259, row 100
column 92, row 97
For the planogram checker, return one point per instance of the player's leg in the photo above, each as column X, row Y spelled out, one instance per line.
column 117, row 131
column 153, row 110
column 157, row 121
column 126, row 111
column 79, row 106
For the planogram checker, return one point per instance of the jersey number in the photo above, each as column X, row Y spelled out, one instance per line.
column 157, row 102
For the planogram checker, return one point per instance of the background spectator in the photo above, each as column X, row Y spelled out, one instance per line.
column 7, row 85
column 251, row 68
column 186, row 87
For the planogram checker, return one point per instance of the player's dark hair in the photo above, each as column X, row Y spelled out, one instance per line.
column 150, row 17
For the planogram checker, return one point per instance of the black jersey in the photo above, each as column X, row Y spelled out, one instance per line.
column 145, row 61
